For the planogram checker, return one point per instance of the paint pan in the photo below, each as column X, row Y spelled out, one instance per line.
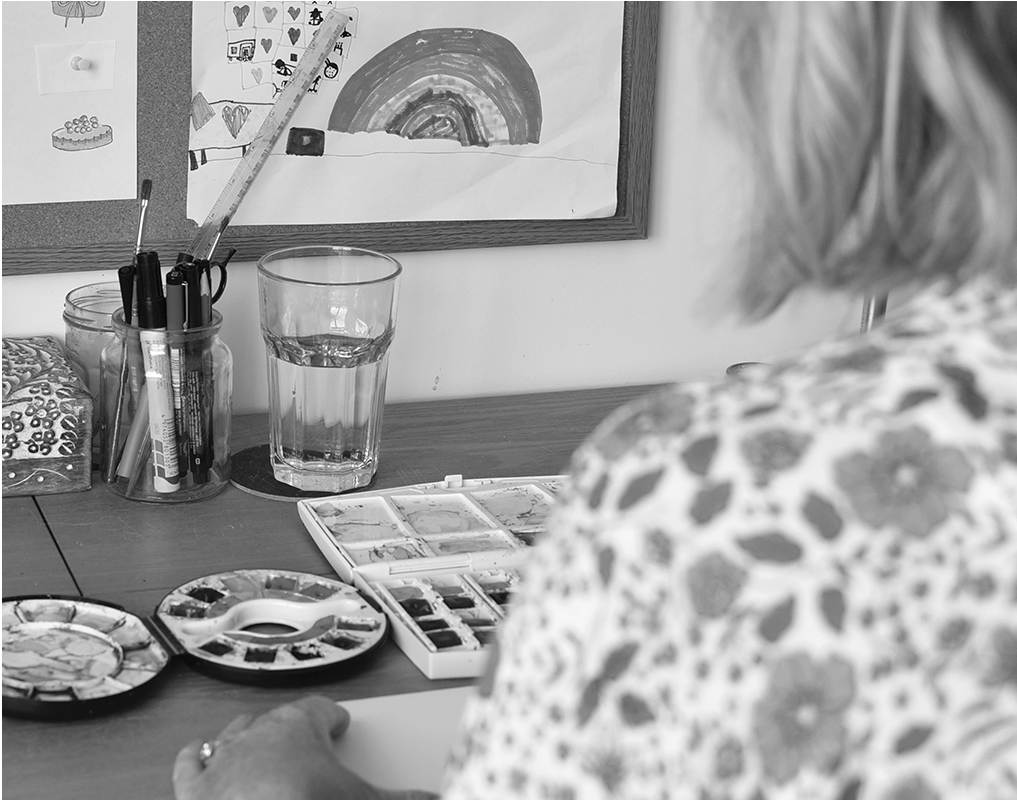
column 68, row 657
column 442, row 559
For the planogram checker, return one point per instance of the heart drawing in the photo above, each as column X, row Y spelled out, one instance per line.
column 257, row 74
column 293, row 11
column 241, row 12
column 270, row 12
column 235, row 117
column 294, row 34
column 267, row 44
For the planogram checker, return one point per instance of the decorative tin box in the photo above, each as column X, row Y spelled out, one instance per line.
column 47, row 420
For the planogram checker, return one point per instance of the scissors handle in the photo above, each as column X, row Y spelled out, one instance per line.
column 222, row 274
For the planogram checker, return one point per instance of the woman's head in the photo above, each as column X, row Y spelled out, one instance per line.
column 884, row 137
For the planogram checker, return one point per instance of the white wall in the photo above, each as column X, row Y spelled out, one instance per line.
column 520, row 319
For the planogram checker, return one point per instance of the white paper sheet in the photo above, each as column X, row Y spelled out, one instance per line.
column 572, row 48
column 44, row 95
column 402, row 741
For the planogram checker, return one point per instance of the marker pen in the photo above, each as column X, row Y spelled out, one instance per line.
column 197, row 409
column 176, row 312
column 158, row 373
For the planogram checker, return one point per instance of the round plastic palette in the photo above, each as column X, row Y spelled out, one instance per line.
column 66, row 657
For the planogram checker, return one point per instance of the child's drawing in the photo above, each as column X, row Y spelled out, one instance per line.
column 484, row 101
column 265, row 42
column 235, row 117
column 82, row 133
column 267, row 39
column 68, row 60
column 445, row 83
column 201, row 111
column 223, row 125
column 78, row 10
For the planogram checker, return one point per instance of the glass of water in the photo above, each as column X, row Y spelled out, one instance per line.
column 327, row 318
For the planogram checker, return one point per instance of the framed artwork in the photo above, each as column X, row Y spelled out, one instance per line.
column 177, row 156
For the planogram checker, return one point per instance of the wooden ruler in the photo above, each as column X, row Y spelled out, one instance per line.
column 324, row 39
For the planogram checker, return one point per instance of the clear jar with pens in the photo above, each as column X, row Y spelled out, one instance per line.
column 166, row 397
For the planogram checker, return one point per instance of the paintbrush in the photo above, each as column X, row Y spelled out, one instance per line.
column 127, row 291
column 146, row 193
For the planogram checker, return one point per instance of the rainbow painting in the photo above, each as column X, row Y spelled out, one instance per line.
column 461, row 84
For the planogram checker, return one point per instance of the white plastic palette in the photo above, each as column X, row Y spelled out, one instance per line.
column 442, row 559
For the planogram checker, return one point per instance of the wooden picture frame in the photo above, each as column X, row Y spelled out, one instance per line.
column 67, row 237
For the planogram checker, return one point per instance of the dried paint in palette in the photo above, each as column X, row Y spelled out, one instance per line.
column 443, row 612
column 498, row 585
column 553, row 485
column 361, row 521
column 518, row 508
column 64, row 650
column 431, row 514
column 442, row 559
column 457, row 544
column 401, row 550
column 271, row 619
column 73, row 657
column 497, row 517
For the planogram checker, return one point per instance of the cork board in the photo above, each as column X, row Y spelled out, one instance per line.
column 68, row 237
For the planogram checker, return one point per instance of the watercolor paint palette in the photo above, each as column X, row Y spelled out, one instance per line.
column 66, row 657
column 442, row 559
column 68, row 654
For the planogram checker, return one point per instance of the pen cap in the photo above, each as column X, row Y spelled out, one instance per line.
column 192, row 279
column 151, row 301
column 176, row 301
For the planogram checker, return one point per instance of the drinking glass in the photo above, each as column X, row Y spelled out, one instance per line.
column 327, row 318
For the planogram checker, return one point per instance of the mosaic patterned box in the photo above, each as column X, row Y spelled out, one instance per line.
column 47, row 420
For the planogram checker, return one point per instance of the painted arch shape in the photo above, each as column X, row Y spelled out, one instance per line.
column 460, row 84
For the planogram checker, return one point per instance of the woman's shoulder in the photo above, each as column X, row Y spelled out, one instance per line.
column 750, row 581
column 797, row 552
column 935, row 387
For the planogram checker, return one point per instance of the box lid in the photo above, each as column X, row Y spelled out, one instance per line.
column 454, row 524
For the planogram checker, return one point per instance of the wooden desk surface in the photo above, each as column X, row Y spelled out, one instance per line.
column 134, row 553
column 32, row 562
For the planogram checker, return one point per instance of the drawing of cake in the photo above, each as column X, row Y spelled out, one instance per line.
column 83, row 133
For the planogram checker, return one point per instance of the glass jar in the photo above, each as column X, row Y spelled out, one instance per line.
column 165, row 411
column 88, row 328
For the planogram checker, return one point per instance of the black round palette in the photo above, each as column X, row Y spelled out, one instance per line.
column 67, row 657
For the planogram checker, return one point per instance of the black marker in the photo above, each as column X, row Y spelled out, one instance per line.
column 197, row 410
column 176, row 313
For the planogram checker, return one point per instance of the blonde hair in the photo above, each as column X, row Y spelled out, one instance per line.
column 884, row 137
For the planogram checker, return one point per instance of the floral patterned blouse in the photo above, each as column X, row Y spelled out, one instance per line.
column 799, row 584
